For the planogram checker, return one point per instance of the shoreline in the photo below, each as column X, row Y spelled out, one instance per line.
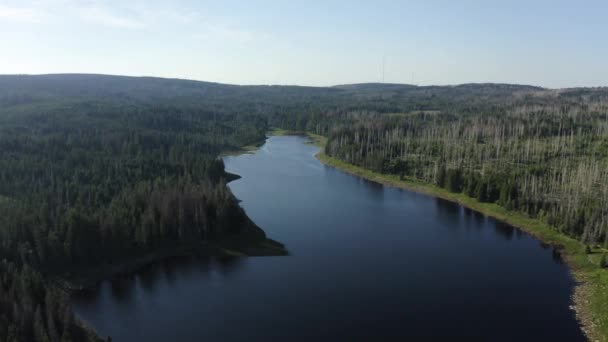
column 89, row 279
column 250, row 243
column 86, row 279
column 591, row 281
column 238, row 246
column 589, row 298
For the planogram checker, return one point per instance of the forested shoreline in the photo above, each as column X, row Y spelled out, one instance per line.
column 97, row 169
column 535, row 158
column 547, row 162
column 88, row 180
column 541, row 152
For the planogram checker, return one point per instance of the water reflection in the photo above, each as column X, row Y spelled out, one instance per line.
column 121, row 289
column 148, row 278
column 479, row 219
column 373, row 189
column 448, row 212
column 229, row 265
column 557, row 256
column 89, row 296
column 468, row 213
column 447, row 208
column 355, row 262
column 504, row 230
column 473, row 218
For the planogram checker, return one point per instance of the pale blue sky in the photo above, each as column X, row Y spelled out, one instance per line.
column 549, row 43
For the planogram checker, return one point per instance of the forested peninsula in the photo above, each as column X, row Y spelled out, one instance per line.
column 97, row 170
column 100, row 175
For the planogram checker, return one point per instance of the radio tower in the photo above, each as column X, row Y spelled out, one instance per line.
column 383, row 67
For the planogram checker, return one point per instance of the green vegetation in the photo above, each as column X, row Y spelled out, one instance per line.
column 514, row 152
column 282, row 132
column 99, row 171
column 102, row 178
column 316, row 140
column 30, row 310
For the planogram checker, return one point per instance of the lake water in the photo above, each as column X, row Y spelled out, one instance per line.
column 367, row 262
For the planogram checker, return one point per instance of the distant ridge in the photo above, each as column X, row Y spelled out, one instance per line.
column 15, row 89
column 373, row 86
column 83, row 77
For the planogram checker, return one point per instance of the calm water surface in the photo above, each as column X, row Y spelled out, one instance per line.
column 368, row 263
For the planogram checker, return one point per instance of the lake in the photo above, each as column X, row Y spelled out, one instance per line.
column 367, row 262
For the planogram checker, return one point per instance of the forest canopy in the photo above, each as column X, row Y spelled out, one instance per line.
column 97, row 169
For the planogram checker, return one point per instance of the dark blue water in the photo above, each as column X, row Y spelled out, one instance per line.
column 368, row 263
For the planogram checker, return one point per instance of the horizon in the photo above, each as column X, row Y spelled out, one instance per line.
column 305, row 86
column 317, row 44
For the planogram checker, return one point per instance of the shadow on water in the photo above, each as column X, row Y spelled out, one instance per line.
column 229, row 265
column 89, row 296
column 374, row 190
column 557, row 256
column 504, row 230
column 468, row 213
column 121, row 289
column 448, row 212
column 181, row 267
column 171, row 268
column 148, row 277
column 473, row 218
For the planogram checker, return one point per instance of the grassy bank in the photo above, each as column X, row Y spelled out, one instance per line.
column 245, row 149
column 317, row 140
column 275, row 131
column 591, row 293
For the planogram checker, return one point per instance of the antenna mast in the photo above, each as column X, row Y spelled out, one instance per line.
column 383, row 67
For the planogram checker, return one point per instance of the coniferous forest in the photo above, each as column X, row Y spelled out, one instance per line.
column 93, row 174
column 543, row 153
column 98, row 169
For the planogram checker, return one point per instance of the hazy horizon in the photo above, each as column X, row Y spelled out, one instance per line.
column 317, row 43
column 293, row 85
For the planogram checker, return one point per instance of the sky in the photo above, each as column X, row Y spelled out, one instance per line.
column 550, row 43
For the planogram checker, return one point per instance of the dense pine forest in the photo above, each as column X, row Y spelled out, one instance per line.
column 538, row 151
column 98, row 169
column 544, row 153
column 95, row 173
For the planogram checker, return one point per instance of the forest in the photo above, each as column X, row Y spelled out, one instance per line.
column 88, row 179
column 98, row 169
column 543, row 153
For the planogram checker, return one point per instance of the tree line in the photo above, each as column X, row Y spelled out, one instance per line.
column 99, row 169
column 543, row 153
column 87, row 183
